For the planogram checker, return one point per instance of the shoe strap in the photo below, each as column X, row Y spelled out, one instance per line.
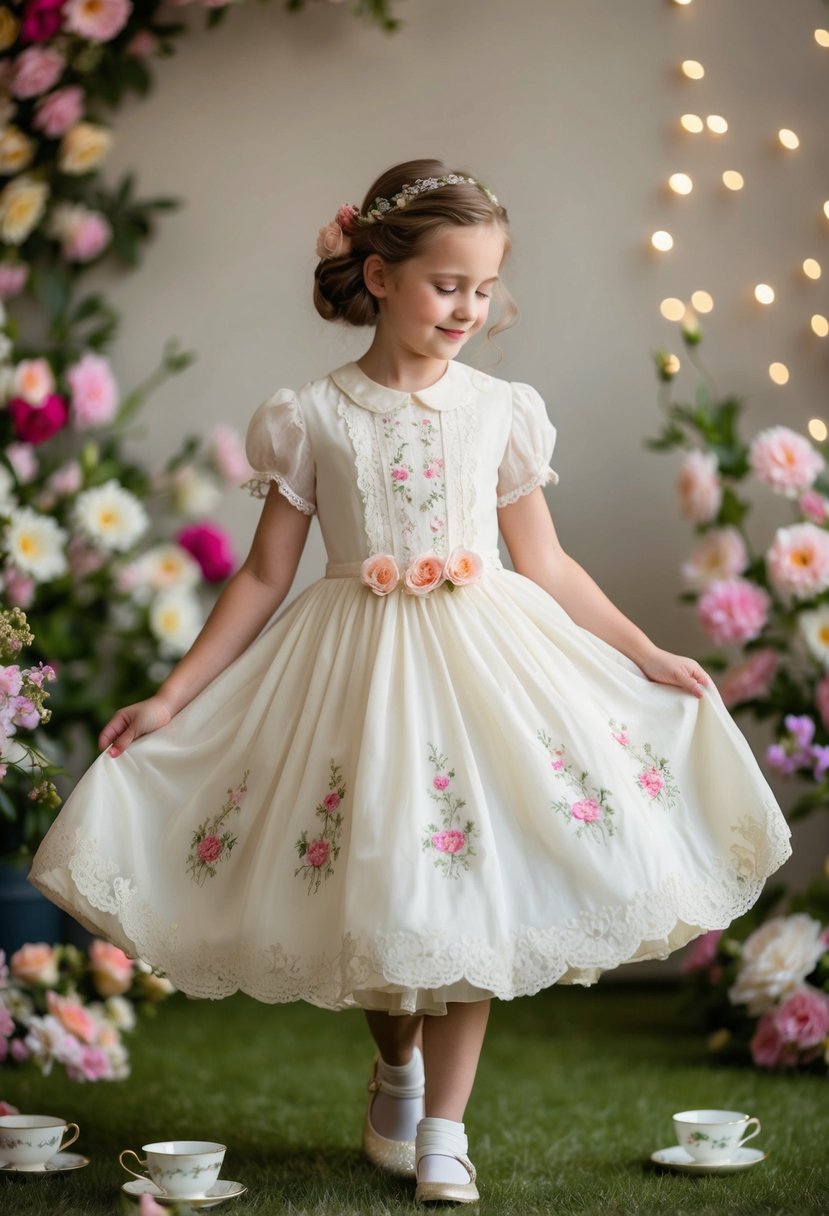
column 443, row 1138
column 394, row 1090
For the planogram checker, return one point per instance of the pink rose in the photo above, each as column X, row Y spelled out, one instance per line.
column 463, row 566
column 440, row 781
column 111, row 969
column 86, row 237
column 766, row 1045
column 73, row 1017
column 380, row 573
column 586, row 809
column 13, row 277
column 94, row 391
column 99, row 22
column 784, row 460
column 317, row 852
column 332, row 242
column 651, row 781
column 557, row 764
column 92, row 1065
column 59, row 110
column 41, row 20
column 37, row 423
column 699, row 488
column 734, row 610
column 423, row 574
column 35, row 71
column 449, row 842
column 211, row 548
column 803, row 1018
column 346, row 217
column 702, row 951
column 331, row 801
column 750, row 679
column 35, row 963
column 798, row 560
column 209, row 849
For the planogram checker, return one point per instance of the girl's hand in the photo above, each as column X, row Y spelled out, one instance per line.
column 134, row 720
column 665, row 668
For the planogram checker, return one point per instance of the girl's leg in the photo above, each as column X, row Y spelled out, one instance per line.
column 396, row 1037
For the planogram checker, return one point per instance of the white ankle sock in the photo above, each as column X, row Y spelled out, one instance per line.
column 434, row 1166
column 394, row 1117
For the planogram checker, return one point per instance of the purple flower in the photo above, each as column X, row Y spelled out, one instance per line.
column 820, row 755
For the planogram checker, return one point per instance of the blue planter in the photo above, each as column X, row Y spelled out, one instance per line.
column 25, row 914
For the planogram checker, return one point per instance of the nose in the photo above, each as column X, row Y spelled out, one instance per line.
column 464, row 306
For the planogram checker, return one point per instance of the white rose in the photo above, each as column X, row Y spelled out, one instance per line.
column 775, row 959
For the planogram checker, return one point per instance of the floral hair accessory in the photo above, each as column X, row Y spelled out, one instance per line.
column 423, row 574
column 382, row 205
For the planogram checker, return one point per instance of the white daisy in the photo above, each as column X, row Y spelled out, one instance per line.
column 166, row 566
column 175, row 619
column 814, row 627
column 110, row 516
column 35, row 544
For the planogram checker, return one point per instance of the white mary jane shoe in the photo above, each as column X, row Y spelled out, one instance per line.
column 394, row 1156
column 446, row 1139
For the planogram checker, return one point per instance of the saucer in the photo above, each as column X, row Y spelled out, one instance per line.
column 55, row 1165
column 218, row 1193
column 676, row 1158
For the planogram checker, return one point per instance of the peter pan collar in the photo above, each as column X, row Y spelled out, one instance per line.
column 451, row 390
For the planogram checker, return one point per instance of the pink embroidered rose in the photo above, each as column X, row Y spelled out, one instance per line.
column 586, row 809
column 332, row 242
column 702, row 951
column 784, row 460
column 235, row 797
column 699, row 488
column 558, row 763
column 35, row 963
column 380, row 573
column 798, row 560
column 331, row 801
column 111, row 969
column 399, row 472
column 317, row 852
column 440, row 781
column 750, row 679
column 651, row 781
column 37, row 423
column 209, row 849
column 621, row 737
column 734, row 610
column 423, row 574
column 463, row 567
column 449, row 842
column 803, row 1019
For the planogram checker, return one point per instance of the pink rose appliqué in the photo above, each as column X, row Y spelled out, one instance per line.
column 380, row 573
column 423, row 574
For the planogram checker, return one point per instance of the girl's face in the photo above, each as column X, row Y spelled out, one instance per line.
column 433, row 303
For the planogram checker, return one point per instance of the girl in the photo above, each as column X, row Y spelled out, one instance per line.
column 429, row 780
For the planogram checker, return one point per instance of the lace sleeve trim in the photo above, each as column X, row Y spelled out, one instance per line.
column 259, row 485
column 540, row 479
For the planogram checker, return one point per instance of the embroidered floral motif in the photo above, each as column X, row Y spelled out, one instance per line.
column 591, row 811
column 210, row 844
column 401, row 474
column 317, row 856
column 654, row 778
column 450, row 843
column 432, row 471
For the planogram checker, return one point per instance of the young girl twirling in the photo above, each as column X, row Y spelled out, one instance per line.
column 429, row 780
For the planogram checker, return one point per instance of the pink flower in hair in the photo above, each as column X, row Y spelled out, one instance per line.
column 346, row 217
column 332, row 242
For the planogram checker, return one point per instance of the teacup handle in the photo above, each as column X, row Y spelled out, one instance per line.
column 71, row 1139
column 121, row 1157
column 753, row 1134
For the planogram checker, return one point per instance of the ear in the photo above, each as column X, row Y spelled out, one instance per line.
column 374, row 275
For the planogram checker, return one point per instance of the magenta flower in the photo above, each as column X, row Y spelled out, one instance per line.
column 211, row 547
column 734, row 610
column 37, row 423
column 317, row 852
column 331, row 801
column 209, row 849
column 587, row 810
column 41, row 20
column 449, row 842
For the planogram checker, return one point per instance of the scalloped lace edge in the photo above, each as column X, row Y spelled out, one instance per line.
column 259, row 485
column 540, row 479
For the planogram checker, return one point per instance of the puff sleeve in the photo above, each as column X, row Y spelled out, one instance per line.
column 277, row 447
column 526, row 460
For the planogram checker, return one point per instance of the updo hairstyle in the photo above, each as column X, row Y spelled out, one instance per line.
column 340, row 293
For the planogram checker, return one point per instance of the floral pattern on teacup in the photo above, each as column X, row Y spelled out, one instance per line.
column 591, row 812
column 317, row 856
column 212, row 842
column 654, row 777
column 449, row 842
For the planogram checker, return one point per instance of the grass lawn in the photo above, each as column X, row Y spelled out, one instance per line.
column 576, row 1088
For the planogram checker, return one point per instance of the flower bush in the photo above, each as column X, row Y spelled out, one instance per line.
column 61, row 1006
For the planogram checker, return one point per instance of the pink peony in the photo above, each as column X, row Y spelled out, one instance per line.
column 449, row 842
column 37, row 423
column 96, row 20
column 211, row 548
column 750, row 679
column 423, row 574
column 803, row 1018
column 814, row 506
column 766, row 1045
column 463, row 567
column 651, row 781
column 228, row 455
column 41, row 20
column 722, row 554
column 784, row 460
column 734, row 610
column 93, row 1064
column 440, row 781
column 94, row 391
column 331, row 801
column 59, row 110
column 586, row 809
column 13, row 278
column 111, row 969
column 822, row 701
column 35, row 71
column 317, row 852
column 380, row 573
column 798, row 560
column 702, row 952
column 35, row 963
column 86, row 237
column 699, row 488
column 209, row 849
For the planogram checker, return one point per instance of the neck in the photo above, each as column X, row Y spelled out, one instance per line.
column 402, row 371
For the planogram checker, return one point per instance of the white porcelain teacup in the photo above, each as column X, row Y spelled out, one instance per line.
column 713, row 1135
column 28, row 1141
column 180, row 1168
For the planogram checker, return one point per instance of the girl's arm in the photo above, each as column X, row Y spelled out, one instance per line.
column 245, row 605
column 536, row 552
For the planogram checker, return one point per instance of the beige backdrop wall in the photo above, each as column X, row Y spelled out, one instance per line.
column 569, row 111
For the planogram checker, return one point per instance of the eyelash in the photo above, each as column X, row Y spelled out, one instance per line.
column 448, row 291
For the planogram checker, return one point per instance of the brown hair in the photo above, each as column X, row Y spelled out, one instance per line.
column 340, row 293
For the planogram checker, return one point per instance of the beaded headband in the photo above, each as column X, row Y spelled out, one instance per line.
column 334, row 240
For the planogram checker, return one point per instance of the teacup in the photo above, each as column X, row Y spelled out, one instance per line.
column 713, row 1135
column 28, row 1141
column 180, row 1168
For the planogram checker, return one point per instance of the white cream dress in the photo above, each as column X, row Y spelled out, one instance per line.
column 394, row 801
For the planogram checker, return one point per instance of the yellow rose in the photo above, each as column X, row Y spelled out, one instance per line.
column 16, row 149
column 22, row 203
column 83, row 147
column 9, row 26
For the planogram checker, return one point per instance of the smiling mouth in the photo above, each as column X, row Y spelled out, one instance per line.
column 451, row 331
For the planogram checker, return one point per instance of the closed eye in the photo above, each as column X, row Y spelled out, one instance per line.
column 448, row 291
